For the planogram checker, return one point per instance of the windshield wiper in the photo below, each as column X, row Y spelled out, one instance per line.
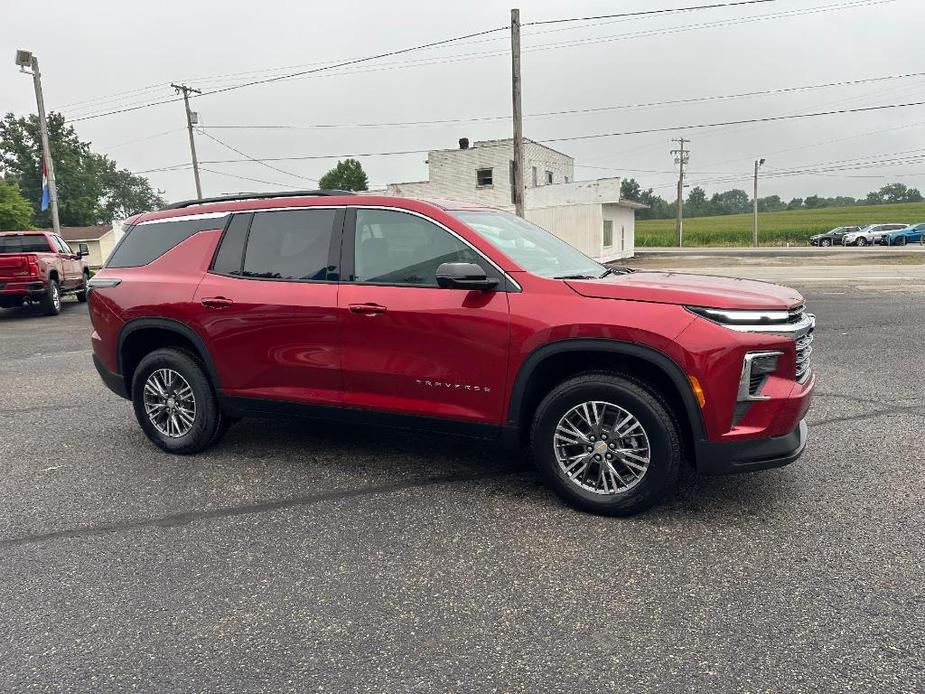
column 616, row 271
column 575, row 277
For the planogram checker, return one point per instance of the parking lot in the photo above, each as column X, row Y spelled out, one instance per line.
column 301, row 556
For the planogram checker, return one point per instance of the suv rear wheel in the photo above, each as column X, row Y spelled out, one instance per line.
column 174, row 402
column 606, row 444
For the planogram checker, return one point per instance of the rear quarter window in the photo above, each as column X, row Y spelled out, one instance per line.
column 28, row 243
column 146, row 242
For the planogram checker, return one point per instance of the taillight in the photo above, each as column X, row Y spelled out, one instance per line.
column 33, row 262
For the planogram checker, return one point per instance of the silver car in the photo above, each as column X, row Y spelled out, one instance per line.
column 869, row 235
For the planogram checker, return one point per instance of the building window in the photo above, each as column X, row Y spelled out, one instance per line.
column 483, row 178
column 608, row 233
column 548, row 177
column 566, row 179
column 534, row 177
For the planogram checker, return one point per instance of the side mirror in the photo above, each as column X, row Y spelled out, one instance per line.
column 464, row 276
column 83, row 250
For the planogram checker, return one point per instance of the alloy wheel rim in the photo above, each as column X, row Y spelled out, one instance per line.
column 169, row 403
column 55, row 296
column 602, row 448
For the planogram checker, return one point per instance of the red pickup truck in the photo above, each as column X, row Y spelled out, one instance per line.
column 39, row 267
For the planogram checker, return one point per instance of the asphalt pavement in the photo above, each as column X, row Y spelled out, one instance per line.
column 299, row 556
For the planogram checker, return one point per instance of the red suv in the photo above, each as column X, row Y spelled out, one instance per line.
column 454, row 318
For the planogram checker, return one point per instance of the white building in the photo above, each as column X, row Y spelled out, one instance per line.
column 587, row 214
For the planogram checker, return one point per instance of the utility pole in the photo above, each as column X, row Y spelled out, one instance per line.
column 25, row 59
column 681, row 157
column 518, row 182
column 190, row 116
column 758, row 162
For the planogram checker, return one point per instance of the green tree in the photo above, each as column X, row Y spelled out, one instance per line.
column 697, row 204
column 894, row 192
column 657, row 207
column 15, row 210
column 347, row 175
column 91, row 189
column 795, row 204
column 733, row 201
column 771, row 203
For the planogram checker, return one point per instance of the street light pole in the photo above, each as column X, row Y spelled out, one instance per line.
column 758, row 162
column 25, row 59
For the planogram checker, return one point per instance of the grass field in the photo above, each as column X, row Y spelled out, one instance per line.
column 793, row 227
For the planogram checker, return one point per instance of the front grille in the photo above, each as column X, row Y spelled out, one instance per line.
column 804, row 355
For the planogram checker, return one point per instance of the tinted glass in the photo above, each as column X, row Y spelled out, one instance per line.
column 146, row 242
column 31, row 243
column 230, row 254
column 289, row 245
column 533, row 248
column 398, row 248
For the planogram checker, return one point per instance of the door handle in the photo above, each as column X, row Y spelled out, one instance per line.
column 367, row 309
column 216, row 302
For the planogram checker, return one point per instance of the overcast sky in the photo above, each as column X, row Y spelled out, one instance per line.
column 100, row 49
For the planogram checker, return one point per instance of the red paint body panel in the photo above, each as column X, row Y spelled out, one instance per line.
column 690, row 290
column 433, row 352
column 447, row 353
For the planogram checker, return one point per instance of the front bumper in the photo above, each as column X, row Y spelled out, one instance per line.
column 750, row 455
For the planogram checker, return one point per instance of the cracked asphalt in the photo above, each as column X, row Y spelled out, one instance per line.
column 300, row 556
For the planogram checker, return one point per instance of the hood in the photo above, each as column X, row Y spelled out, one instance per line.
column 689, row 290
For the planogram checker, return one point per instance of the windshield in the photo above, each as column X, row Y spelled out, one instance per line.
column 534, row 249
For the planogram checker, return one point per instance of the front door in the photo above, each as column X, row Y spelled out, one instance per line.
column 409, row 346
column 71, row 266
column 268, row 307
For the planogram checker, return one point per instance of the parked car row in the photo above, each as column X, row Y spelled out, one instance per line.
column 895, row 234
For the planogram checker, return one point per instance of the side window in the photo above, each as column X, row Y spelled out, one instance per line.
column 399, row 248
column 58, row 244
column 64, row 247
column 289, row 245
column 148, row 241
column 229, row 259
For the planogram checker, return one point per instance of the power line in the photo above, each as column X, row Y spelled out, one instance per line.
column 566, row 112
column 262, row 163
column 641, row 13
column 766, row 119
column 247, row 178
column 485, row 32
column 674, row 128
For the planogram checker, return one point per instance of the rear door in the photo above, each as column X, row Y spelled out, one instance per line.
column 409, row 346
column 267, row 308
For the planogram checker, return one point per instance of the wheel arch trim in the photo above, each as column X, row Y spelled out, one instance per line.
column 631, row 349
column 168, row 325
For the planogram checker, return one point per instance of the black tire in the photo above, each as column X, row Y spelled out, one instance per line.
column 82, row 294
column 825, row 242
column 208, row 422
column 862, row 241
column 901, row 241
column 51, row 302
column 637, row 399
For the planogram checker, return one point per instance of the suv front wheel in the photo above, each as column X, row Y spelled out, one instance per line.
column 174, row 402
column 606, row 444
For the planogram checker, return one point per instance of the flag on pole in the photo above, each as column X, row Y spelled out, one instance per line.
column 44, row 186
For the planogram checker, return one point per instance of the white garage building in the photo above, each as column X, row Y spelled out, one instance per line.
column 587, row 214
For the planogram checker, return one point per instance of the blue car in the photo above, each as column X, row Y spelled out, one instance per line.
column 914, row 233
